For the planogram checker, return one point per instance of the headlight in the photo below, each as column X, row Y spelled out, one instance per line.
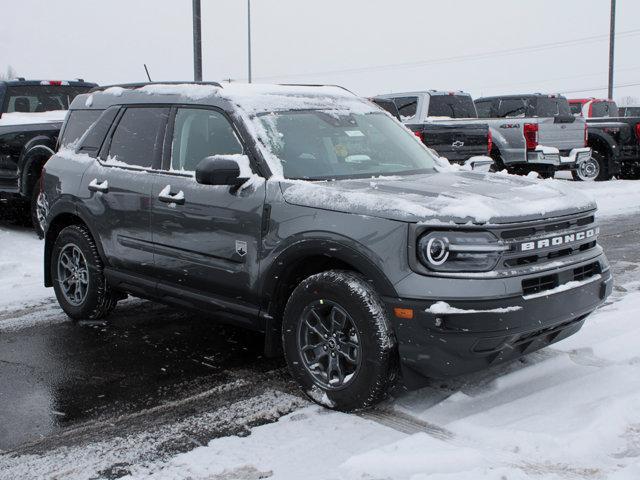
column 459, row 251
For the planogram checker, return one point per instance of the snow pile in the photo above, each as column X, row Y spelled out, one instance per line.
column 442, row 308
column 614, row 197
column 25, row 118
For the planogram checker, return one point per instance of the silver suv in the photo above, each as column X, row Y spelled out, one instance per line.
column 311, row 215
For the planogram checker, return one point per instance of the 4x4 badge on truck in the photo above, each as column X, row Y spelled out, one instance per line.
column 241, row 248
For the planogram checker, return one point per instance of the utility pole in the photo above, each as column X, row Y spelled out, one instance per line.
column 197, row 42
column 249, row 39
column 612, row 34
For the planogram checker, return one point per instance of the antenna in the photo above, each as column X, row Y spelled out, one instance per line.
column 147, row 70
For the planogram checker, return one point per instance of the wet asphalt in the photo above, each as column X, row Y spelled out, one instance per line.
column 65, row 382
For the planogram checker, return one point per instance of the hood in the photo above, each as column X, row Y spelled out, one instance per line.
column 459, row 197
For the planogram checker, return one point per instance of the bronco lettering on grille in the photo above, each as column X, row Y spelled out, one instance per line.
column 559, row 240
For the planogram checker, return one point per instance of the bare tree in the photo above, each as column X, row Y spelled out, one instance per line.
column 10, row 73
column 629, row 101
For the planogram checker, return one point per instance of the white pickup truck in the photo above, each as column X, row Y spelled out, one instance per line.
column 536, row 132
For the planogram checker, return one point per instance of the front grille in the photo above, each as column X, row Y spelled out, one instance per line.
column 539, row 284
column 566, row 227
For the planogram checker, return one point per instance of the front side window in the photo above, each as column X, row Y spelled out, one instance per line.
column 40, row 98
column 138, row 136
column 200, row 133
column 319, row 145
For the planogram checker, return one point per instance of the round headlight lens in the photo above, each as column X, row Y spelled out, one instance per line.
column 437, row 250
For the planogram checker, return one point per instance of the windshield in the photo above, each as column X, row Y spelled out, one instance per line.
column 321, row 145
column 453, row 106
column 40, row 98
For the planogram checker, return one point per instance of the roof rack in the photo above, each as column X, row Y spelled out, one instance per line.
column 315, row 85
column 144, row 84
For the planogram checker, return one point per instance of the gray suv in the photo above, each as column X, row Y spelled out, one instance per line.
column 316, row 218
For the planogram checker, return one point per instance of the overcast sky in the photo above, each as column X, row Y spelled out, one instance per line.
column 451, row 45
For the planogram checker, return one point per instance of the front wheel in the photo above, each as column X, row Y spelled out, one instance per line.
column 78, row 281
column 592, row 169
column 337, row 341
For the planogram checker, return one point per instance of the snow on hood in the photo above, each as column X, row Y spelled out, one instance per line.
column 26, row 118
column 459, row 197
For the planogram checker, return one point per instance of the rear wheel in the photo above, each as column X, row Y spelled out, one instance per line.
column 78, row 281
column 337, row 341
column 593, row 169
column 36, row 210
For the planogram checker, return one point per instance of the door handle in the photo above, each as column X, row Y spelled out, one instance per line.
column 95, row 186
column 167, row 197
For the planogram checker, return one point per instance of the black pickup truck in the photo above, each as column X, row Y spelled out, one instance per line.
column 441, row 120
column 616, row 144
column 31, row 115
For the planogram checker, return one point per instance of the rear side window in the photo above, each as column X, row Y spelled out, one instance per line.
column 512, row 107
column 552, row 107
column 453, row 106
column 138, row 136
column 78, row 122
column 200, row 133
column 483, row 109
column 407, row 107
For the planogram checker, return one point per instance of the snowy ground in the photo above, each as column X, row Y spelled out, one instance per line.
column 571, row 411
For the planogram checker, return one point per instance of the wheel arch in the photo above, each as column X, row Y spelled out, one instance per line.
column 301, row 260
column 606, row 144
column 34, row 155
column 54, row 226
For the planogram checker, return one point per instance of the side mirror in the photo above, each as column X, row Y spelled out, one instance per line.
column 480, row 164
column 221, row 170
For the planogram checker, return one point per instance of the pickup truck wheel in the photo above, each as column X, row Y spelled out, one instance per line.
column 337, row 341
column 593, row 169
column 36, row 213
column 78, row 281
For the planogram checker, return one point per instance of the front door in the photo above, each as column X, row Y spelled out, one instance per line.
column 206, row 238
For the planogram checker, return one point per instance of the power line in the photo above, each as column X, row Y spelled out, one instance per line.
column 462, row 58
column 605, row 87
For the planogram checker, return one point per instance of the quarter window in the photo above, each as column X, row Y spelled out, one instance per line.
column 138, row 136
column 200, row 133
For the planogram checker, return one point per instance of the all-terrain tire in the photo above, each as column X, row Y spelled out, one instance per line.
column 369, row 326
column 99, row 300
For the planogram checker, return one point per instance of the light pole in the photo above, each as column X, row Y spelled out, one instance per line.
column 197, row 42
column 612, row 34
column 249, row 39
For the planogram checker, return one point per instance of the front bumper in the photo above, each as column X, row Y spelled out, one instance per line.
column 557, row 159
column 475, row 334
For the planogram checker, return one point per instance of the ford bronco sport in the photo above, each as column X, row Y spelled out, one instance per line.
column 311, row 215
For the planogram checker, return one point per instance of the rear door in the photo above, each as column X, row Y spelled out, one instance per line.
column 117, row 187
column 557, row 127
column 206, row 242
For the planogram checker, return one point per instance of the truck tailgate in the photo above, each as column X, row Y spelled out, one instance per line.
column 561, row 135
column 456, row 141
